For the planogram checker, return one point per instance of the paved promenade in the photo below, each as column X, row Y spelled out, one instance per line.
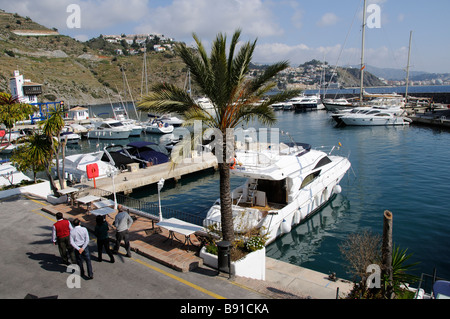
column 182, row 272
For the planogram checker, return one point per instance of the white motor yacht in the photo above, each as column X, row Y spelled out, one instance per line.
column 109, row 129
column 9, row 175
column 136, row 129
column 69, row 135
column 204, row 103
column 376, row 117
column 309, row 102
column 75, row 166
column 337, row 105
column 277, row 106
column 120, row 114
column 289, row 105
column 158, row 127
column 285, row 184
column 171, row 120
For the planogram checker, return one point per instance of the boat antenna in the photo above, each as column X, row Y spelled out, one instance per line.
column 407, row 68
column 361, row 93
column 290, row 137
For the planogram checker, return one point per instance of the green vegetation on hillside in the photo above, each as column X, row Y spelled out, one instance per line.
column 77, row 72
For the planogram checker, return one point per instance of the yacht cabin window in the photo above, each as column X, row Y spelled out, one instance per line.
column 323, row 161
column 309, row 179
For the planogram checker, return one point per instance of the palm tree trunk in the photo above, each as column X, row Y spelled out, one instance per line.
column 51, row 180
column 225, row 203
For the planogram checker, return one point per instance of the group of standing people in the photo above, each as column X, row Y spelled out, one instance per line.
column 73, row 240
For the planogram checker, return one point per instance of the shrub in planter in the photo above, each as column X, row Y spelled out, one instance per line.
column 255, row 243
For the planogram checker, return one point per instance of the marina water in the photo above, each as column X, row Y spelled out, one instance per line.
column 400, row 169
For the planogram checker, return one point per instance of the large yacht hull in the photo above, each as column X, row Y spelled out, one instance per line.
column 282, row 199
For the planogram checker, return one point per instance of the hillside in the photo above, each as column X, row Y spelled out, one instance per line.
column 349, row 77
column 70, row 70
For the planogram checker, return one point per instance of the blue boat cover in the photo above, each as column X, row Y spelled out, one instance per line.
column 140, row 144
column 441, row 287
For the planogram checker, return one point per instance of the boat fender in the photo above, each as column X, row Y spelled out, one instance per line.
column 337, row 189
column 317, row 200
column 233, row 163
column 297, row 216
column 285, row 227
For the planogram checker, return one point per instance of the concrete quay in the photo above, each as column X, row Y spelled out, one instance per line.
column 283, row 280
column 128, row 180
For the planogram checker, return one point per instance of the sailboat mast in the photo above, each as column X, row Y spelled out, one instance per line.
column 144, row 75
column 361, row 85
column 407, row 67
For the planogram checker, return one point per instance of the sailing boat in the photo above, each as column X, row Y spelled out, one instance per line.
column 120, row 112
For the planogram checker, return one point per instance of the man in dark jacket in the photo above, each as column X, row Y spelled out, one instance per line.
column 101, row 232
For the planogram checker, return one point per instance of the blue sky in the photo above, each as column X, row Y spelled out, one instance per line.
column 293, row 30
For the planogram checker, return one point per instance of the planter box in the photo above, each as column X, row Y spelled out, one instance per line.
column 251, row 266
column 41, row 190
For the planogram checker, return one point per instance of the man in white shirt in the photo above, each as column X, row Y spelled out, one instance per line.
column 79, row 239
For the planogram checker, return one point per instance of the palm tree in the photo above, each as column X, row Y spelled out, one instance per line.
column 33, row 154
column 51, row 129
column 223, row 80
column 12, row 110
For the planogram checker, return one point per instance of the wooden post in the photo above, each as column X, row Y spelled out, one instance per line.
column 386, row 252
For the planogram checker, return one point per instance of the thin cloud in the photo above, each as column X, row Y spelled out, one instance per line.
column 328, row 19
column 208, row 17
column 95, row 15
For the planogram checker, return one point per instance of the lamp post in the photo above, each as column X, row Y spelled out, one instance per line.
column 160, row 186
column 111, row 172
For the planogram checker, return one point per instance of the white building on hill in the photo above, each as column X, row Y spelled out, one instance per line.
column 25, row 90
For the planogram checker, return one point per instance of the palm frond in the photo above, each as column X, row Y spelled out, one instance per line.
column 167, row 98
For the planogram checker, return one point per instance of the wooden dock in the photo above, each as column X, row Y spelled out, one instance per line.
column 128, row 180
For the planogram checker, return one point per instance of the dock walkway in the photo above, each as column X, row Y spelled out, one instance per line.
column 129, row 180
column 145, row 239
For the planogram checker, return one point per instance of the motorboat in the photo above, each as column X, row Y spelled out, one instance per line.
column 118, row 156
column 109, row 129
column 7, row 148
column 337, row 105
column 149, row 152
column 171, row 120
column 309, row 102
column 75, row 166
column 136, row 129
column 375, row 117
column 289, row 105
column 9, row 175
column 69, row 135
column 204, row 103
column 278, row 106
column 285, row 184
column 120, row 114
column 158, row 127
column 336, row 116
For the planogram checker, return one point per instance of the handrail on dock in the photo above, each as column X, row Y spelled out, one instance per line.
column 146, row 209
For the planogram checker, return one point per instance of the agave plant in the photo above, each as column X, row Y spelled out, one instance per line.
column 399, row 268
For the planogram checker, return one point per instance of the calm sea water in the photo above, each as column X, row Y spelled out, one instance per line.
column 401, row 169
